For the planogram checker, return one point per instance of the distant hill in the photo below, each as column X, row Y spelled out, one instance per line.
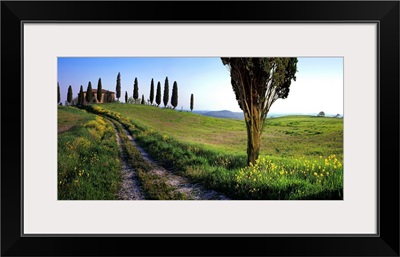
column 224, row 114
column 239, row 115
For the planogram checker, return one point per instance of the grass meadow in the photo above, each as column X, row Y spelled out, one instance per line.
column 301, row 156
column 88, row 157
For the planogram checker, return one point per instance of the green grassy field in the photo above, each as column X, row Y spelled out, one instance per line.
column 301, row 156
column 88, row 156
column 289, row 136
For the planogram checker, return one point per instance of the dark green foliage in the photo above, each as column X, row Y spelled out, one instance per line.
column 321, row 114
column 69, row 95
column 258, row 83
column 152, row 91
column 89, row 93
column 118, row 86
column 80, row 96
column 135, row 90
column 99, row 90
column 272, row 79
column 158, row 94
column 191, row 102
column 126, row 97
column 142, row 102
column 174, row 97
column 58, row 93
column 166, row 92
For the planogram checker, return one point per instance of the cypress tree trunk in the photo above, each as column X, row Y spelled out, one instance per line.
column 254, row 130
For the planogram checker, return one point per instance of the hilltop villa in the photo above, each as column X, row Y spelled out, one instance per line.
column 106, row 96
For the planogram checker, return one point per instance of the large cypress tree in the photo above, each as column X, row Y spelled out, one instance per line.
column 126, row 97
column 142, row 99
column 158, row 94
column 174, row 97
column 99, row 90
column 80, row 96
column 69, row 95
column 118, row 86
column 89, row 93
column 58, row 93
column 166, row 92
column 191, row 102
column 135, row 90
column 257, row 84
column 152, row 91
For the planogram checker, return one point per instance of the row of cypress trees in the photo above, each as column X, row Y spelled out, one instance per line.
column 174, row 97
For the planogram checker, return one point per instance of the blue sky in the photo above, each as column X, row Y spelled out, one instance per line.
column 319, row 84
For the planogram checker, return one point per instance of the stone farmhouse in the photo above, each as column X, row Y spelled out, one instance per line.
column 106, row 96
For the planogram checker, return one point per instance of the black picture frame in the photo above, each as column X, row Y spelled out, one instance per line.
column 383, row 13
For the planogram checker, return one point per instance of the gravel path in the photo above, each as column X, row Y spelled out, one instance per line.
column 193, row 191
column 130, row 189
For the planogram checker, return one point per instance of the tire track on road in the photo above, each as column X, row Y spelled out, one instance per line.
column 192, row 191
column 130, row 189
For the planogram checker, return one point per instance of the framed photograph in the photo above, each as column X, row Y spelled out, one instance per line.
column 143, row 155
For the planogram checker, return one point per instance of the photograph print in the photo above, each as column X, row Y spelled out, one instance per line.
column 200, row 128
